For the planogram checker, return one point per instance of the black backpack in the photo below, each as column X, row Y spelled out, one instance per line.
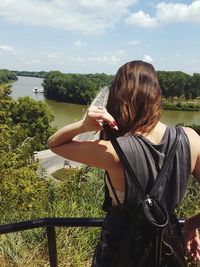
column 145, row 237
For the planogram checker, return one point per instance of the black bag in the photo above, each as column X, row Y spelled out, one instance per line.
column 145, row 237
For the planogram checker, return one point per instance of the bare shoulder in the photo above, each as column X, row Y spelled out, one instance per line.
column 96, row 153
column 194, row 140
column 193, row 137
column 190, row 131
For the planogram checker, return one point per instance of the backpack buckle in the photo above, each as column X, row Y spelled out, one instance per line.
column 149, row 200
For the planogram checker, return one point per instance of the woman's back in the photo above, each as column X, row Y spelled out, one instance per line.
column 146, row 159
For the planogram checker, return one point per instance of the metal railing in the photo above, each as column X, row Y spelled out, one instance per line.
column 50, row 224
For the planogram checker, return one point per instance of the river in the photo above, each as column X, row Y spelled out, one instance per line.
column 66, row 113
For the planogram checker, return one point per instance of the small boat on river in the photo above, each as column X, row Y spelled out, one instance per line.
column 37, row 90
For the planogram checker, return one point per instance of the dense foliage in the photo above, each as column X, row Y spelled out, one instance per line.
column 179, row 84
column 26, row 196
column 18, row 141
column 37, row 74
column 7, row 76
column 81, row 88
column 75, row 88
column 35, row 118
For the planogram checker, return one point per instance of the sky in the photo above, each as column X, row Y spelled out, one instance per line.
column 98, row 36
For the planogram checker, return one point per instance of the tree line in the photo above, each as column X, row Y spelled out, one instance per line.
column 36, row 74
column 74, row 88
column 7, row 76
column 82, row 88
column 179, row 84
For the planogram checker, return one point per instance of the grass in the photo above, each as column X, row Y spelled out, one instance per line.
column 77, row 193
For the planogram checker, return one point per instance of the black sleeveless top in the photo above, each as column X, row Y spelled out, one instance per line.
column 146, row 160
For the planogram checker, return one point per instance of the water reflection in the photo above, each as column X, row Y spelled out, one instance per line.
column 187, row 117
column 65, row 113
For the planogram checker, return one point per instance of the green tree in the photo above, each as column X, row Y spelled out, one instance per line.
column 194, row 85
column 172, row 83
column 74, row 88
column 7, row 76
column 35, row 118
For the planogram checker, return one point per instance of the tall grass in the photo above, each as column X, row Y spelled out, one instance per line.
column 71, row 193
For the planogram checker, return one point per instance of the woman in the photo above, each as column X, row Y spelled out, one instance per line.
column 133, row 111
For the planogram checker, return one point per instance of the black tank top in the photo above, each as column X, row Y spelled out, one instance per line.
column 146, row 160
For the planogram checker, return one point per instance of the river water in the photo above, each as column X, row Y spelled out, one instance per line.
column 66, row 113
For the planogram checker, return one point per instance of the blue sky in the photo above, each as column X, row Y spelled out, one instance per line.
column 95, row 36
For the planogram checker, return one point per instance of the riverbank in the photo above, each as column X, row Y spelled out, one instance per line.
column 181, row 105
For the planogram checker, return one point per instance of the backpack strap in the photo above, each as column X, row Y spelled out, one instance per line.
column 159, row 184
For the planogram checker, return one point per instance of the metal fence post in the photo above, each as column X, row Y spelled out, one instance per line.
column 51, row 236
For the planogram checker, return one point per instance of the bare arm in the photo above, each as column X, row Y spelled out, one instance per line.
column 191, row 237
column 191, row 226
column 95, row 153
column 91, row 122
column 194, row 140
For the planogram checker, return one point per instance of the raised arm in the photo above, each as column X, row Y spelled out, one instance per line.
column 95, row 153
column 91, row 122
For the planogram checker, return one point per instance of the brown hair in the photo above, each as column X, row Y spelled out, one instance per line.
column 135, row 98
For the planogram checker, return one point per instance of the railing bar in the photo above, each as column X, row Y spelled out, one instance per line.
column 44, row 222
column 51, row 236
column 56, row 222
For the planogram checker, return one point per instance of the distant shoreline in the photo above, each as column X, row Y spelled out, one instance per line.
column 181, row 105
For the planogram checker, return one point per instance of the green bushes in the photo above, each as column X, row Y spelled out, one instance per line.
column 7, row 76
column 77, row 193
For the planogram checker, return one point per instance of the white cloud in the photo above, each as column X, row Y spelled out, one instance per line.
column 142, row 19
column 148, row 58
column 99, row 59
column 52, row 56
column 133, row 42
column 78, row 59
column 111, row 58
column 86, row 16
column 6, row 49
column 79, row 44
column 33, row 62
column 166, row 13
column 169, row 12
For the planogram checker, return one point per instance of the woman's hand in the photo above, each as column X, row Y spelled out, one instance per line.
column 91, row 122
column 192, row 241
column 94, row 118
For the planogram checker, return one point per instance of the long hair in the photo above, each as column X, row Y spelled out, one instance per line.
column 135, row 98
